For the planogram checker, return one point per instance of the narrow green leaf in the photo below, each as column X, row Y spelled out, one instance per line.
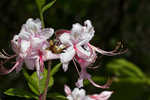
column 20, row 93
column 34, row 88
column 51, row 82
column 40, row 3
column 55, row 69
column 48, row 6
column 39, row 85
column 32, row 82
column 43, row 80
column 42, row 83
column 56, row 96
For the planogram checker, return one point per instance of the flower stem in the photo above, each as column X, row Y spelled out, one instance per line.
column 42, row 19
column 47, row 81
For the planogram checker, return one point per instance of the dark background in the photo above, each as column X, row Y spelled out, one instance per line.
column 113, row 20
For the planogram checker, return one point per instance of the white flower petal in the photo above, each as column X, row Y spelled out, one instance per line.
column 33, row 25
column 82, row 33
column 47, row 33
column 15, row 44
column 76, row 32
column 65, row 38
column 105, row 95
column 36, row 43
column 75, row 92
column 65, row 66
column 88, row 98
column 79, row 83
column 48, row 55
column 37, row 65
column 67, row 90
column 30, row 63
column 68, row 55
column 88, row 24
column 82, row 92
column 89, row 29
column 70, row 97
column 25, row 46
column 82, row 52
column 78, row 94
column 24, row 34
column 77, row 28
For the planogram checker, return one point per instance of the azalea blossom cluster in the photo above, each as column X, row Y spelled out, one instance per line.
column 32, row 47
column 80, row 94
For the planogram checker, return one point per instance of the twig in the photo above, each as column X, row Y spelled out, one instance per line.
column 47, row 81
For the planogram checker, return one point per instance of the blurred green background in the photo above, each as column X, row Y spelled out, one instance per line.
column 113, row 20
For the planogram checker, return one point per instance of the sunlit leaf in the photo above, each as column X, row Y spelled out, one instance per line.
column 55, row 69
column 31, row 82
column 42, row 83
column 37, row 86
column 20, row 93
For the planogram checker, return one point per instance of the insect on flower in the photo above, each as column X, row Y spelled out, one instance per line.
column 55, row 48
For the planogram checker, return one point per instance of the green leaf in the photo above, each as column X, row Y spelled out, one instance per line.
column 41, row 83
column 55, row 69
column 124, row 68
column 48, row 6
column 20, row 93
column 32, row 82
column 40, row 3
column 51, row 82
column 56, row 96
column 37, row 86
column 128, row 79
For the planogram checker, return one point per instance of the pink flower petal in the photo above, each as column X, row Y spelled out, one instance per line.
column 105, row 95
column 48, row 55
column 67, row 90
column 100, row 86
column 30, row 63
column 61, row 31
column 110, row 53
column 4, row 71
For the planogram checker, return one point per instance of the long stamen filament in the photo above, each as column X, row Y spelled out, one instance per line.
column 76, row 66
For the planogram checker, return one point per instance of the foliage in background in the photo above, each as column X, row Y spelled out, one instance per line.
column 130, row 83
column 113, row 21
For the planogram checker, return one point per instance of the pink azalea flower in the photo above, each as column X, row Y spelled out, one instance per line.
column 29, row 46
column 79, row 49
column 80, row 94
column 105, row 95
